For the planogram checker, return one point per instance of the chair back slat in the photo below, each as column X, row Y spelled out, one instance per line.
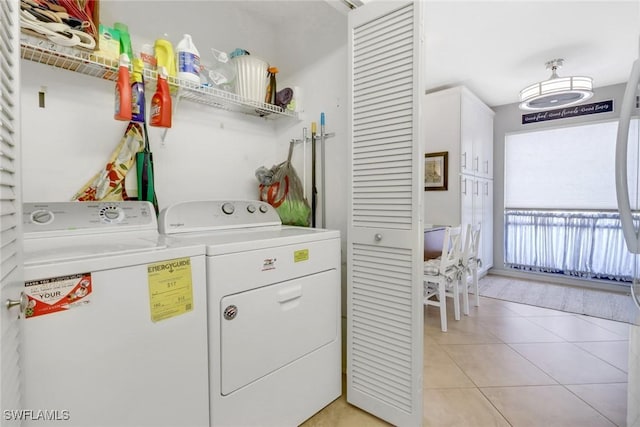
column 475, row 242
column 467, row 246
column 451, row 248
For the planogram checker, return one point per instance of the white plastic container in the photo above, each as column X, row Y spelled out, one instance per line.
column 188, row 60
column 252, row 77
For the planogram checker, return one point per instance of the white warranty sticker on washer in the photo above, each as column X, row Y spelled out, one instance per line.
column 47, row 296
column 170, row 288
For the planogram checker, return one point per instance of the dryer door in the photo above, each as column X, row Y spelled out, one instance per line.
column 266, row 328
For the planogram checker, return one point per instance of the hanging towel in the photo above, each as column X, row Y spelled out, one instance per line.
column 108, row 184
column 144, row 166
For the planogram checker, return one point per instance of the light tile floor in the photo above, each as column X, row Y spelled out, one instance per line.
column 510, row 364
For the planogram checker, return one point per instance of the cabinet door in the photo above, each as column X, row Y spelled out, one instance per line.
column 468, row 132
column 485, row 140
column 466, row 200
column 478, row 203
column 487, row 225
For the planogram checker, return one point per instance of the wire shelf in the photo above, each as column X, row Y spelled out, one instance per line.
column 45, row 52
column 221, row 99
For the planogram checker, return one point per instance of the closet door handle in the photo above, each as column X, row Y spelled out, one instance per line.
column 463, row 186
column 464, row 160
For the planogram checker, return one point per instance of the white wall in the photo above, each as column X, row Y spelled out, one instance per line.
column 208, row 153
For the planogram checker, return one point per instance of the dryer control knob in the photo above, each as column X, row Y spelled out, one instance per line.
column 251, row 209
column 228, row 208
column 264, row 208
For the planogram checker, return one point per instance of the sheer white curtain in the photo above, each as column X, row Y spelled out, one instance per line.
column 582, row 244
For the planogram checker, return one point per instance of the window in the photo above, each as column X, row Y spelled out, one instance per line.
column 560, row 202
column 566, row 168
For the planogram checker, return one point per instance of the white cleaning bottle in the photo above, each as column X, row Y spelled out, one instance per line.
column 188, row 60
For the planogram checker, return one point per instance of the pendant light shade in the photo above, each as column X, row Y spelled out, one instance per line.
column 557, row 91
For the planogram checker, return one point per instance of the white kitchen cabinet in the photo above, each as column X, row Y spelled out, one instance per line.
column 458, row 122
column 476, row 208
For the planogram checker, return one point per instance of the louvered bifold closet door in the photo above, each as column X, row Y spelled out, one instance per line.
column 385, row 311
column 10, row 210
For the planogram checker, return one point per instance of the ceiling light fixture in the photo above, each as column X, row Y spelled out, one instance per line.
column 557, row 91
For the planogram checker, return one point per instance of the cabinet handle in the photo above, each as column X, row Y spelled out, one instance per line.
column 486, row 166
column 476, row 190
column 463, row 186
column 476, row 161
column 464, row 160
column 486, row 188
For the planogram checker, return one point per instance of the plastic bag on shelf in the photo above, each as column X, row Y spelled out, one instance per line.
column 222, row 74
column 280, row 186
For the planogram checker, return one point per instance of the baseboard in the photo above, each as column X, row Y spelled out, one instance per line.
column 602, row 285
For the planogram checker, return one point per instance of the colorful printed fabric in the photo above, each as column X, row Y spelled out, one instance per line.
column 108, row 184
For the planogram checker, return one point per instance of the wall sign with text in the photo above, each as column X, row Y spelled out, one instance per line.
column 565, row 113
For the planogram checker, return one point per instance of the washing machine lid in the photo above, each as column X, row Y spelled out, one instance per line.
column 239, row 240
column 65, row 249
column 57, row 232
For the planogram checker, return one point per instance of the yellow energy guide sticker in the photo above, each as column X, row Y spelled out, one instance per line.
column 170, row 288
column 301, row 255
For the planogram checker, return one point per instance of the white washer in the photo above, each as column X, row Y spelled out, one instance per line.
column 115, row 331
column 274, row 310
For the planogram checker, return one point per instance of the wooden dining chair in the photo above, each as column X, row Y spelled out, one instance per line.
column 441, row 276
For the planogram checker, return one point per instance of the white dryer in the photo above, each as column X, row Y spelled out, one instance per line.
column 274, row 310
column 115, row 328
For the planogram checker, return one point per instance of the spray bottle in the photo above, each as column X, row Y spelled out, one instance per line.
column 125, row 39
column 137, row 92
column 161, row 102
column 123, row 91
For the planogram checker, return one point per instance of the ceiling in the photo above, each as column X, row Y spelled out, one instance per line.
column 496, row 48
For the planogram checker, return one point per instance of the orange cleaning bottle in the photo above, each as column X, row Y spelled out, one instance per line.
column 161, row 102
column 123, row 91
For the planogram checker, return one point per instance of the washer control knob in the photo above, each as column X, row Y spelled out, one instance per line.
column 228, row 208
column 42, row 216
column 251, row 208
column 264, row 208
column 110, row 214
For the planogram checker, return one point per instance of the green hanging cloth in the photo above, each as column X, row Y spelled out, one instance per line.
column 144, row 166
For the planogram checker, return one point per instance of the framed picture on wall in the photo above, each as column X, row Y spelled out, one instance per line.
column 435, row 171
